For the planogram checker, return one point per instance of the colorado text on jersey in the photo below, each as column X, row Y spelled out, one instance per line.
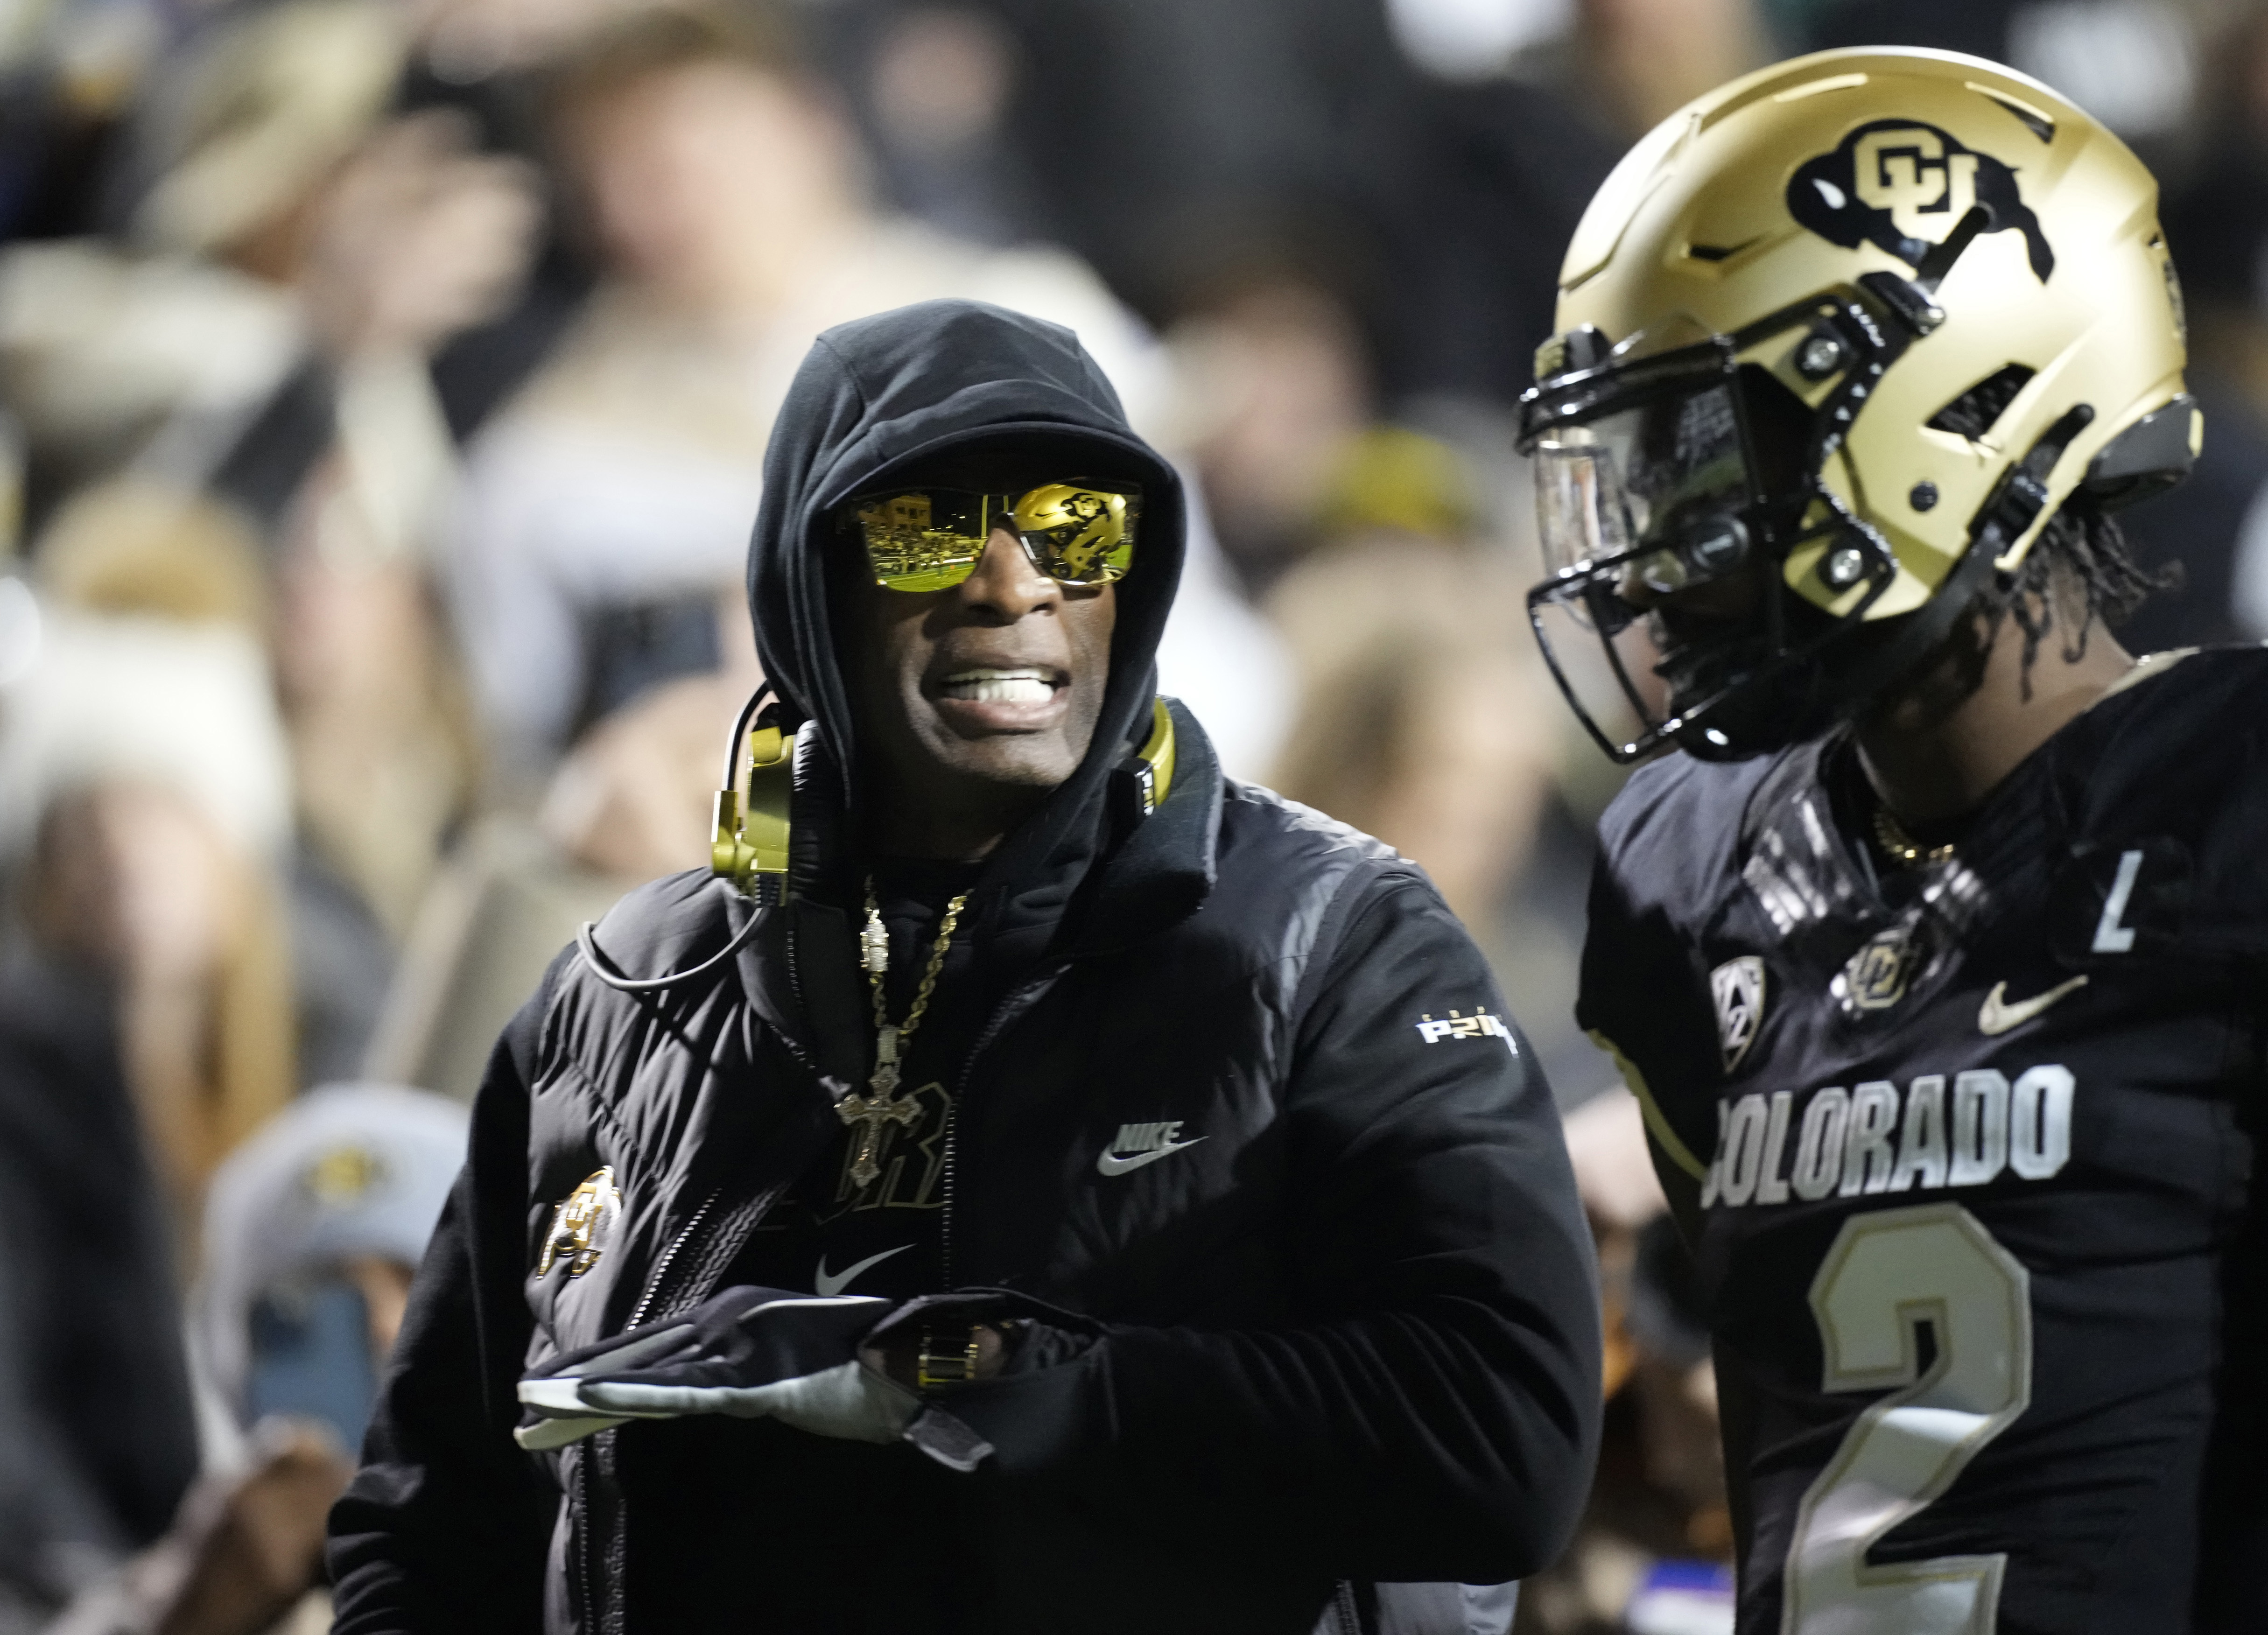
column 1869, row 1139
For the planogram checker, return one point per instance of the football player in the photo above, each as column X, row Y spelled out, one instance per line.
column 1935, row 958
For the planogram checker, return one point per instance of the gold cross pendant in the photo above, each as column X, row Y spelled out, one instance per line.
column 880, row 1107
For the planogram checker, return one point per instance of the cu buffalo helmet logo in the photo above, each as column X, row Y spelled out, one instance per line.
column 1904, row 187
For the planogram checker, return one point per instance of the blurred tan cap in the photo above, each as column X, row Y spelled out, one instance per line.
column 272, row 103
column 135, row 548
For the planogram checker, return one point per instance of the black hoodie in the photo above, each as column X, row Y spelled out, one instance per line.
column 1244, row 1111
column 911, row 389
column 881, row 396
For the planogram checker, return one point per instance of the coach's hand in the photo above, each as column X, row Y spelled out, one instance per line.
column 751, row 1354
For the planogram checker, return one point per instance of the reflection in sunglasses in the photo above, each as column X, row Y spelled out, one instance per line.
column 933, row 538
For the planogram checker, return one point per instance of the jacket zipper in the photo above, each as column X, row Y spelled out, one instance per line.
column 992, row 1026
column 656, row 1286
column 582, row 1541
column 653, row 1289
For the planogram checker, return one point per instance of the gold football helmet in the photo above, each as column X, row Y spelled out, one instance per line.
column 1850, row 329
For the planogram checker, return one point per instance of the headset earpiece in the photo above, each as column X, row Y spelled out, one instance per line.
column 1147, row 775
column 750, row 838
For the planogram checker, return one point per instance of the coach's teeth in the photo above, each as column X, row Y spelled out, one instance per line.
column 1014, row 686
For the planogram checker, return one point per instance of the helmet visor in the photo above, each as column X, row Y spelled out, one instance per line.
column 1652, row 520
column 1668, row 478
column 1675, row 484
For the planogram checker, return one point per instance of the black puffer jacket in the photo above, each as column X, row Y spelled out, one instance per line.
column 1349, row 1330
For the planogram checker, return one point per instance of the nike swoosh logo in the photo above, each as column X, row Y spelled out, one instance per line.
column 1111, row 1164
column 1998, row 1016
column 825, row 1282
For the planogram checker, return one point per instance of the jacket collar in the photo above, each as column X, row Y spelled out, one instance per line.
column 1096, row 884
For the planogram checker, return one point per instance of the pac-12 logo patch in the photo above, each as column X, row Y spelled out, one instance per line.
column 1902, row 187
column 1738, row 988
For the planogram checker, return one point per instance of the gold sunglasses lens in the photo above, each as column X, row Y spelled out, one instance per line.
column 931, row 540
column 914, row 543
column 1078, row 535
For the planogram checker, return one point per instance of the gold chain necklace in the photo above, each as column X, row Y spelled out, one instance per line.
column 881, row 1105
column 1902, row 846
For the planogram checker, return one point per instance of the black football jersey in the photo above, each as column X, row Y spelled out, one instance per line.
column 1974, row 1145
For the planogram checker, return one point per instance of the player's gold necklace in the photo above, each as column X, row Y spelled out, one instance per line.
column 1904, row 848
column 881, row 1105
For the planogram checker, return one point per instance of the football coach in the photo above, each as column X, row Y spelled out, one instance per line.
column 1036, row 1183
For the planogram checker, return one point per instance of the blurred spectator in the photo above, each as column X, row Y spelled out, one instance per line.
column 1273, row 389
column 144, row 791
column 166, row 355
column 1150, row 130
column 384, row 755
column 312, row 1230
column 236, row 1559
column 134, row 882
column 1472, row 192
column 270, row 159
column 610, row 501
column 303, row 260
column 71, row 73
column 1631, row 63
column 98, row 1441
column 295, row 262
column 499, row 911
column 634, row 798
column 2216, row 218
column 1161, row 140
column 1421, row 717
column 935, row 95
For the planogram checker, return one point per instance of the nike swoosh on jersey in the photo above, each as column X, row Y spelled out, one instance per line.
column 1111, row 1164
column 1998, row 1016
column 825, row 1282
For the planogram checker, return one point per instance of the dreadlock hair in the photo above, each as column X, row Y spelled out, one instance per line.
column 2081, row 554
column 2080, row 551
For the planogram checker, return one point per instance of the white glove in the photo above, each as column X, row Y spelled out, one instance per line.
column 751, row 1354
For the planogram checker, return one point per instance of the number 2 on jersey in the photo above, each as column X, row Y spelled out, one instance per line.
column 1888, row 1272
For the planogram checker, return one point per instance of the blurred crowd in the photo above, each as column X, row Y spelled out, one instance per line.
column 383, row 387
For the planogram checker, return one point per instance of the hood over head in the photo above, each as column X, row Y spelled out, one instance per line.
column 882, row 396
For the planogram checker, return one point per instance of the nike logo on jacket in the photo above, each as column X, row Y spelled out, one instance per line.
column 1145, row 1144
column 825, row 1282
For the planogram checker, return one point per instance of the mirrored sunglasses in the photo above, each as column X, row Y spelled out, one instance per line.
column 929, row 539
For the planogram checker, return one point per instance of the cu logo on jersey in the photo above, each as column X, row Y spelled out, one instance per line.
column 1874, row 978
column 1904, row 187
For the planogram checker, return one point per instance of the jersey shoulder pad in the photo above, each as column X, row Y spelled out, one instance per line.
column 1672, row 836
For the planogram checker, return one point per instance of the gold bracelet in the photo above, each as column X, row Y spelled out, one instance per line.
column 934, row 1370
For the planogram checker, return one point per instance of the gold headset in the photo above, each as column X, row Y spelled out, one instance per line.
column 751, row 830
